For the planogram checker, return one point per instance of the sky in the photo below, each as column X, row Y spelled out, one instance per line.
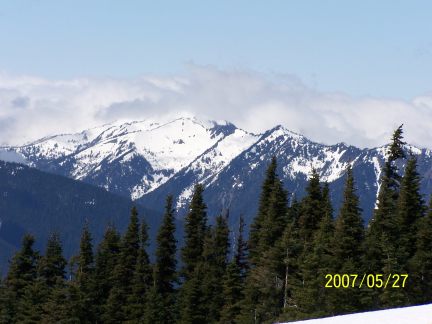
column 334, row 71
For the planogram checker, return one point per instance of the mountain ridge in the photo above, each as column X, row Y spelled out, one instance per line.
column 147, row 159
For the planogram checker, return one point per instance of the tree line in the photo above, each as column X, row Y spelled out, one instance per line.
column 279, row 275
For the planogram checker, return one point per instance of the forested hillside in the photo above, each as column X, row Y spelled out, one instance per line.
column 300, row 262
column 36, row 202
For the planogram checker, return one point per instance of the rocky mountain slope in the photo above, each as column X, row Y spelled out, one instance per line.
column 145, row 160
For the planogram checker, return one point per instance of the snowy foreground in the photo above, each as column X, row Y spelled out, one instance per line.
column 406, row 315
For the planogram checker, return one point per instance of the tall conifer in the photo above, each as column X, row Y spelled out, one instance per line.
column 123, row 273
column 165, row 275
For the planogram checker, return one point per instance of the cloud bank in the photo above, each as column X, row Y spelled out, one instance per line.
column 32, row 108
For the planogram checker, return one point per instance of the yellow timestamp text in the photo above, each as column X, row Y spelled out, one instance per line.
column 378, row 280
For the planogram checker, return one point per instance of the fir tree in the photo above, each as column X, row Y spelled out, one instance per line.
column 410, row 209
column 382, row 233
column 214, row 265
column 346, row 247
column 421, row 263
column 195, row 229
column 264, row 201
column 106, row 260
column 311, row 208
column 22, row 273
column 165, row 275
column 84, row 276
column 241, row 257
column 53, row 262
column 232, row 293
column 123, row 273
column 142, row 279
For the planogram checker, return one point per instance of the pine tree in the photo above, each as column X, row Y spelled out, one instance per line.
column 22, row 273
column 264, row 291
column 84, row 276
column 53, row 262
column 142, row 279
column 106, row 260
column 165, row 275
column 195, row 229
column 421, row 263
column 123, row 273
column 241, row 257
column 232, row 293
column 264, row 201
column 383, row 233
column 311, row 208
column 214, row 264
column 346, row 247
column 410, row 209
column 193, row 302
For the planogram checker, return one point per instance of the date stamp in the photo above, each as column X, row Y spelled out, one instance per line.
column 378, row 281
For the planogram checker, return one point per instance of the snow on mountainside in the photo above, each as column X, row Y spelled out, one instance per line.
column 163, row 149
column 147, row 159
column 405, row 315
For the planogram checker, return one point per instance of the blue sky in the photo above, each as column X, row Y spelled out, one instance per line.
column 378, row 50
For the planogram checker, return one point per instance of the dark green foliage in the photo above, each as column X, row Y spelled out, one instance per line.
column 123, row 273
column 264, row 292
column 37, row 202
column 311, row 208
column 155, row 311
column 214, row 265
column 53, row 263
column 20, row 277
column 194, row 229
column 135, row 304
column 264, row 201
column 241, row 257
column 421, row 264
column 193, row 308
column 84, row 280
column 383, row 231
column 232, row 293
column 106, row 260
column 165, row 275
column 410, row 209
column 346, row 247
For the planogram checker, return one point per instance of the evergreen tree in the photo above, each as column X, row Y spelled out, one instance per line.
column 155, row 312
column 106, row 260
column 264, row 201
column 84, row 276
column 264, row 290
column 410, row 209
column 53, row 262
column 346, row 247
column 165, row 275
column 215, row 253
column 241, row 257
column 382, row 233
column 193, row 310
column 195, row 229
column 311, row 208
column 232, row 293
column 421, row 263
column 22, row 273
column 123, row 273
column 142, row 279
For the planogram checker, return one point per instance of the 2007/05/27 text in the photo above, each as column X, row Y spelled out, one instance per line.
column 337, row 281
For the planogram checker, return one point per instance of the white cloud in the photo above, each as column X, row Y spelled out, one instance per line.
column 31, row 107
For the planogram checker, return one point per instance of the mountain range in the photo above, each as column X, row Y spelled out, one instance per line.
column 146, row 160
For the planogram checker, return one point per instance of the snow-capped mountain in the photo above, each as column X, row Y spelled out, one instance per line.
column 146, row 160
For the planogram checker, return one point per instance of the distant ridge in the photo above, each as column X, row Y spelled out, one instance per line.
column 36, row 202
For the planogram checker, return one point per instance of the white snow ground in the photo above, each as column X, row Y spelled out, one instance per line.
column 405, row 315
